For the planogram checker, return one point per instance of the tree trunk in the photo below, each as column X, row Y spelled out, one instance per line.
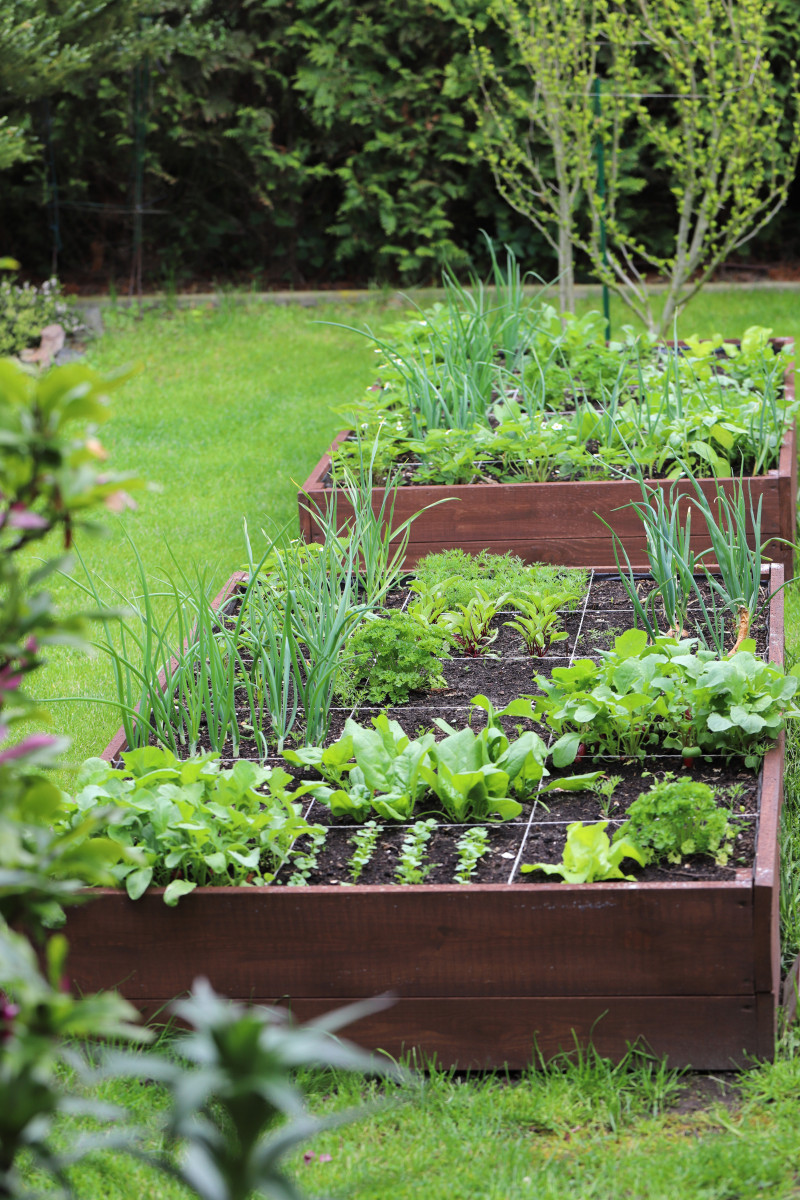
column 566, row 272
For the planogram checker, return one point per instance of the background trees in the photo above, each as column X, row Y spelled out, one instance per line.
column 294, row 144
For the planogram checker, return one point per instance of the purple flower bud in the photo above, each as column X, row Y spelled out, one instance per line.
column 37, row 741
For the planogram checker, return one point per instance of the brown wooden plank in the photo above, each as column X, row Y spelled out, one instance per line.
column 548, row 939
column 709, row 1033
column 767, row 1022
column 766, row 876
column 576, row 552
column 766, row 870
column 548, row 514
column 476, row 511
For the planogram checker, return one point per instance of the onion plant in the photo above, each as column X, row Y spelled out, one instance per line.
column 738, row 563
column 176, row 664
column 672, row 563
column 376, row 545
column 734, row 584
column 297, row 633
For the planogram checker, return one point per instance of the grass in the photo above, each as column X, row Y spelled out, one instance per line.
column 230, row 411
column 583, row 1128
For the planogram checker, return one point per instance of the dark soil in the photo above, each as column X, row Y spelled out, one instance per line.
column 504, row 672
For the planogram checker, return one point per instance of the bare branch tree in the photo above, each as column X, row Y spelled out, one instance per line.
column 719, row 133
column 538, row 136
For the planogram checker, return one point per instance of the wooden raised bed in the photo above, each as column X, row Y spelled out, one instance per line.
column 480, row 971
column 557, row 522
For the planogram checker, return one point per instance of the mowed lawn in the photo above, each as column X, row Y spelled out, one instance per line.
column 230, row 411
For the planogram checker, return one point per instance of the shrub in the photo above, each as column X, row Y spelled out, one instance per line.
column 25, row 310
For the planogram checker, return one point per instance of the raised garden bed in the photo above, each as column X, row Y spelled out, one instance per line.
column 689, row 962
column 553, row 522
column 556, row 522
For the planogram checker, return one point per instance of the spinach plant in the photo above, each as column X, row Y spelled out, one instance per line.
column 385, row 777
column 590, row 856
column 472, row 774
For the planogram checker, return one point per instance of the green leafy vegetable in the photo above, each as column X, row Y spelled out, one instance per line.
column 677, row 817
column 189, row 823
column 590, row 856
column 389, row 658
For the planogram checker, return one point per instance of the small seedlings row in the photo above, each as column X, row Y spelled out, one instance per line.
column 414, row 864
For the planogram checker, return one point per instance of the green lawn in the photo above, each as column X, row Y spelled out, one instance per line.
column 229, row 413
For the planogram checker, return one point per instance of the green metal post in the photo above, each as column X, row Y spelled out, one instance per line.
column 601, row 192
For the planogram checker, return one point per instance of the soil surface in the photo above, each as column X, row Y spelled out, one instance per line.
column 503, row 672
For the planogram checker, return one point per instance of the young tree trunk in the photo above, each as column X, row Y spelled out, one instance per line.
column 566, row 272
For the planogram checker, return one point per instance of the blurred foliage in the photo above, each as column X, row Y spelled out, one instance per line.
column 284, row 143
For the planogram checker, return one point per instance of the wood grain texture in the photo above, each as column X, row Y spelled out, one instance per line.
column 558, row 522
column 693, row 968
column 547, row 939
column 709, row 1033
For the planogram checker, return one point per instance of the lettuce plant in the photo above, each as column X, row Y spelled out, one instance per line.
column 590, row 856
column 186, row 823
